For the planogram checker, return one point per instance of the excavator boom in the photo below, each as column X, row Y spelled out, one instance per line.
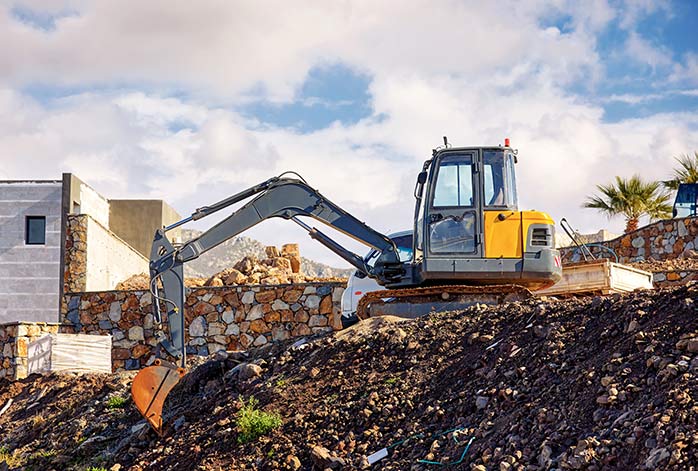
column 286, row 198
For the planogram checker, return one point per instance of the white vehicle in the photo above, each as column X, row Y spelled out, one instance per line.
column 358, row 285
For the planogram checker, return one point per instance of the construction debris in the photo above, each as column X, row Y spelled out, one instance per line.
column 280, row 267
column 601, row 382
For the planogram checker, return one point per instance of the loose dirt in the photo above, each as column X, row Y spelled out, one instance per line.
column 588, row 383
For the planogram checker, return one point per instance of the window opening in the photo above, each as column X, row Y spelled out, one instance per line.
column 454, row 182
column 35, row 231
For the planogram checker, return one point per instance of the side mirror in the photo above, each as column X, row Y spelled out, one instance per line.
column 422, row 178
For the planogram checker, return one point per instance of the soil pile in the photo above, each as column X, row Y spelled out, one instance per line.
column 279, row 267
column 589, row 383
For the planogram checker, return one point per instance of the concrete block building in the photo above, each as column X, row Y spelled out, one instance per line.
column 39, row 217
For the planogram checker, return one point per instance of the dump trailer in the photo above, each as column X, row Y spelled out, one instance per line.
column 471, row 244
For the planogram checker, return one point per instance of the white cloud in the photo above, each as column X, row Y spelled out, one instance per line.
column 686, row 72
column 643, row 51
column 476, row 72
column 226, row 49
column 634, row 10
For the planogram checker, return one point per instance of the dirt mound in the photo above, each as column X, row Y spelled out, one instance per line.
column 590, row 383
column 280, row 267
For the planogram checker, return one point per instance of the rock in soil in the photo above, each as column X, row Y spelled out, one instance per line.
column 560, row 384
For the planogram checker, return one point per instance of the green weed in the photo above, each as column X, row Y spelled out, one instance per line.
column 281, row 382
column 253, row 423
column 43, row 454
column 116, row 402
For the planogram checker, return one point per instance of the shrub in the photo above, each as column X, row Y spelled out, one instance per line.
column 254, row 423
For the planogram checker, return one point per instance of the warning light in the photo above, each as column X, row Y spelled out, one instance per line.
column 506, row 142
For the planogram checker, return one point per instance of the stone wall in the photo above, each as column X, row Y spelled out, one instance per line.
column 661, row 240
column 75, row 263
column 217, row 318
column 664, row 279
column 15, row 340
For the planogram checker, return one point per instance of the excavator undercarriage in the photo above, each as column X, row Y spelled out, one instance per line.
column 416, row 302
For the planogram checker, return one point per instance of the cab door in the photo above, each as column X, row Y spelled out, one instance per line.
column 453, row 226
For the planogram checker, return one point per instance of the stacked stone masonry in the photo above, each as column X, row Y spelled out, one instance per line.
column 75, row 260
column 661, row 240
column 217, row 318
column 15, row 339
column 663, row 279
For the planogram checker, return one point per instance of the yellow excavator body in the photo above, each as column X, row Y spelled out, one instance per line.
column 471, row 244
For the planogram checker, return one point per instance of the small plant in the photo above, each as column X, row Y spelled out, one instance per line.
column 392, row 380
column 116, row 402
column 253, row 423
column 37, row 420
column 281, row 382
column 44, row 454
column 96, row 468
column 10, row 458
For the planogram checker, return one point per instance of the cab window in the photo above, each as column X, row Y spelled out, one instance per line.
column 454, row 182
column 499, row 184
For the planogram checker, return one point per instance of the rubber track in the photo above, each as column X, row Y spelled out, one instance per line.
column 377, row 296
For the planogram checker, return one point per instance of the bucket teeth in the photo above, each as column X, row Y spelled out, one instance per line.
column 150, row 388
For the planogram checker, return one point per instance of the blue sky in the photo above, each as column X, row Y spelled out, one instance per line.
column 162, row 100
column 634, row 88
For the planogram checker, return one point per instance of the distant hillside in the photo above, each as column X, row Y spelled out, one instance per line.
column 225, row 255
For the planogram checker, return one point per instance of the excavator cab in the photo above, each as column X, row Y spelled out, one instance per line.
column 468, row 226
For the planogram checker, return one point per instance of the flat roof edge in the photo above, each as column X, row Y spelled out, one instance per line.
column 29, row 181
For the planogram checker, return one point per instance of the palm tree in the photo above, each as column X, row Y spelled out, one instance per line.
column 632, row 198
column 686, row 172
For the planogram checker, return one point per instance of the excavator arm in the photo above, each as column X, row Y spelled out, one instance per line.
column 282, row 197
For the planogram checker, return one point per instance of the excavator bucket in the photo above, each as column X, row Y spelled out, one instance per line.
column 150, row 388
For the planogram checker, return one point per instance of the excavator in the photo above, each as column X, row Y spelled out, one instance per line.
column 471, row 244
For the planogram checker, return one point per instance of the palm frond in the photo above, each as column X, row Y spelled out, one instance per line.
column 686, row 172
column 632, row 198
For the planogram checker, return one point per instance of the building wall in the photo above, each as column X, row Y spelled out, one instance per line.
column 83, row 199
column 29, row 274
column 135, row 221
column 109, row 259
